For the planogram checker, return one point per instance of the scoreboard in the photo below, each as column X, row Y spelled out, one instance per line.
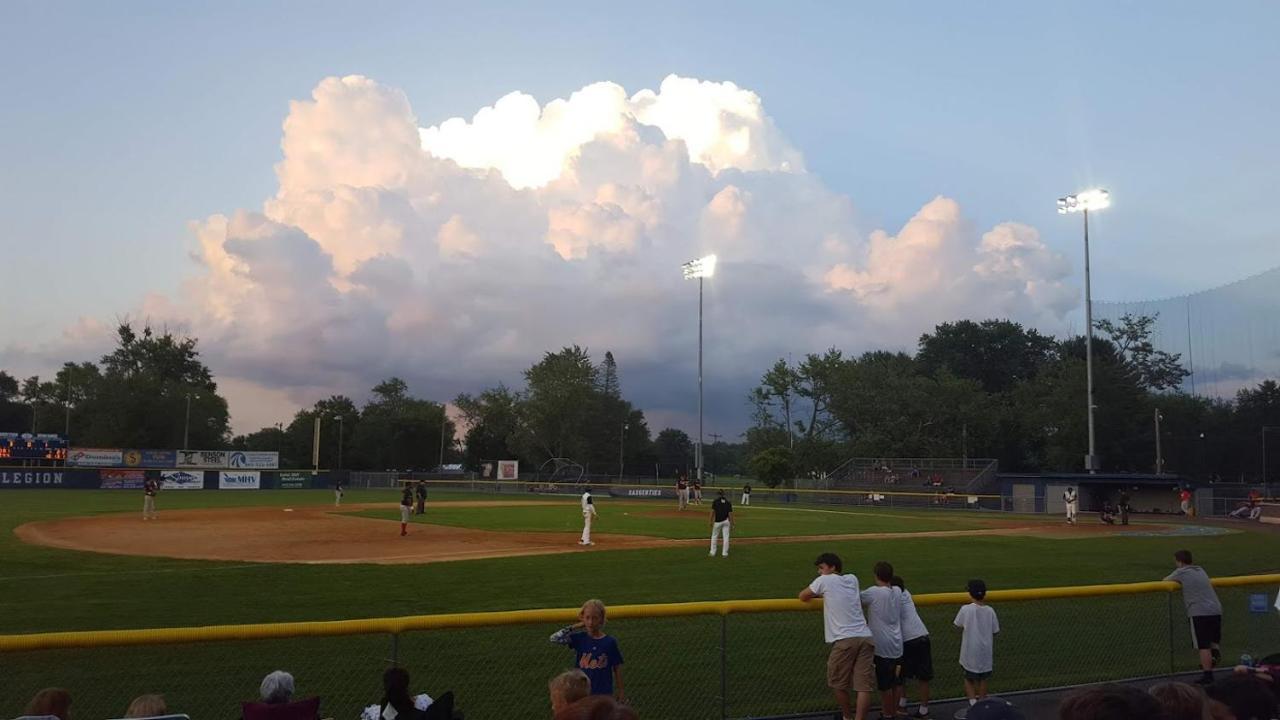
column 25, row 446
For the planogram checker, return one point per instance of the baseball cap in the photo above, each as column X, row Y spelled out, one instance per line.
column 995, row 709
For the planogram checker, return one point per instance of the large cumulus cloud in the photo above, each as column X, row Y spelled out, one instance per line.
column 455, row 255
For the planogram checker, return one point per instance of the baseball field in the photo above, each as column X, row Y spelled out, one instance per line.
column 85, row 560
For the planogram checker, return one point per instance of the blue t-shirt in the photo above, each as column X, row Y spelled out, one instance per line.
column 597, row 658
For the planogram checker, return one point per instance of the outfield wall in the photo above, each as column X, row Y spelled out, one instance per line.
column 684, row 661
column 170, row 479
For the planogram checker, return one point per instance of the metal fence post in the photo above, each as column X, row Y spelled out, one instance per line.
column 1169, row 604
column 724, row 665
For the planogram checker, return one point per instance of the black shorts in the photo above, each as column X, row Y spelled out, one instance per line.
column 917, row 659
column 888, row 672
column 1206, row 630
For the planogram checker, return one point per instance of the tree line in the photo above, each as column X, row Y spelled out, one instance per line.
column 994, row 389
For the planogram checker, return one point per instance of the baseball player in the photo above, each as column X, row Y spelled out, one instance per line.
column 588, row 512
column 1072, row 499
column 421, row 493
column 721, row 522
column 337, row 491
column 697, row 491
column 746, row 494
column 149, row 489
column 682, row 491
column 406, row 509
column 1184, row 496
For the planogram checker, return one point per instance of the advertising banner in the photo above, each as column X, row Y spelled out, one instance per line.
column 253, row 460
column 239, row 480
column 123, row 479
column 210, row 459
column 95, row 457
column 508, row 469
column 295, row 480
column 150, row 458
column 645, row 492
column 181, row 480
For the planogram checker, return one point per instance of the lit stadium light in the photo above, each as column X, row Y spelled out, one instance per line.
column 1095, row 199
column 703, row 267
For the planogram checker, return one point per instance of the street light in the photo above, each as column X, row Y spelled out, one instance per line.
column 186, row 426
column 1082, row 203
column 341, row 428
column 703, row 267
column 622, row 439
column 1159, row 454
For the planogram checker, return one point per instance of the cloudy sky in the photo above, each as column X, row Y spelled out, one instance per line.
column 327, row 194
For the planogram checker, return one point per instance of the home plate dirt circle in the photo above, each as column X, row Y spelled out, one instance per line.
column 324, row 535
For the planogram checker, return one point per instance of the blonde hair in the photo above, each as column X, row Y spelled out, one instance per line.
column 146, row 706
column 593, row 604
column 569, row 687
column 1181, row 701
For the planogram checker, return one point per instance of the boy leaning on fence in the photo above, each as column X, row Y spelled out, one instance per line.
column 850, row 664
column 1204, row 610
column 596, row 653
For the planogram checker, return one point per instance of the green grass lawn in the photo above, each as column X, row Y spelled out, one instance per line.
column 775, row 661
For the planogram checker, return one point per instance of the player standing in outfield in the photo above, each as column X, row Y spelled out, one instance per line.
column 1204, row 609
column 884, row 615
column 917, row 654
column 337, row 491
column 406, row 509
column 1072, row 499
column 697, row 491
column 682, row 492
column 977, row 646
column 850, row 665
column 746, row 494
column 421, row 493
column 588, row 513
column 149, row 489
column 721, row 522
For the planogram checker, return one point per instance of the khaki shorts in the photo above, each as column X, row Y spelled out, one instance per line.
column 851, row 665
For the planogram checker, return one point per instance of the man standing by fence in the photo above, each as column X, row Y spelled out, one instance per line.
column 850, row 666
column 588, row 514
column 1204, row 609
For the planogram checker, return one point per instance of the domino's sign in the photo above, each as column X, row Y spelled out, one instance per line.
column 243, row 480
column 253, row 460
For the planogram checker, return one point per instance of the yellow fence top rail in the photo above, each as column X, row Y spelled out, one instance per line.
column 394, row 625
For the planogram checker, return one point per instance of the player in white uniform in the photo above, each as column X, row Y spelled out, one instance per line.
column 1072, row 499
column 588, row 512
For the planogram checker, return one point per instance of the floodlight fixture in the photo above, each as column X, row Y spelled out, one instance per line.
column 1095, row 199
column 703, row 267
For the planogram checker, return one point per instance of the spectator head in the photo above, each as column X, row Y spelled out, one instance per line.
column 995, row 709
column 1248, row 697
column 395, row 689
column 883, row 571
column 51, row 701
column 898, row 582
column 831, row 561
column 596, row 707
column 1110, row 702
column 1182, row 557
column 720, row 493
column 1181, row 701
column 146, row 706
column 567, row 688
column 977, row 589
column 277, row 688
column 592, row 614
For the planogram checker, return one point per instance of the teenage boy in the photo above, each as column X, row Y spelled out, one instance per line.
column 850, row 664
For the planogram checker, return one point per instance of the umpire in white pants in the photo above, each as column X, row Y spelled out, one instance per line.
column 721, row 522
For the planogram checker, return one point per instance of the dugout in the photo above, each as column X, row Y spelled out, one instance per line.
column 1042, row 492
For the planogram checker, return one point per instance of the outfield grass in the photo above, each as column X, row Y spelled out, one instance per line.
column 775, row 661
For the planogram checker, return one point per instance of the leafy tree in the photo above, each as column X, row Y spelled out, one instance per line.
column 493, row 420
column 998, row 354
column 772, row 466
column 609, row 384
column 1131, row 336
column 299, row 435
column 557, row 402
column 397, row 430
column 14, row 415
column 674, row 450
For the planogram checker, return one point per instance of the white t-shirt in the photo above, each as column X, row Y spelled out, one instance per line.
column 421, row 702
column 912, row 626
column 884, row 606
column 588, row 507
column 841, row 606
column 977, row 648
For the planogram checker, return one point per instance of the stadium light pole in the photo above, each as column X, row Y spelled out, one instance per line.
column 186, row 426
column 1083, row 202
column 444, row 417
column 1159, row 453
column 700, row 269
column 66, row 430
column 622, row 444
column 341, row 429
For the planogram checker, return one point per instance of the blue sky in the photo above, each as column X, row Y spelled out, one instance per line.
column 123, row 122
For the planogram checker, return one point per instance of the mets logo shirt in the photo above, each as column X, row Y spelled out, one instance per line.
column 596, row 658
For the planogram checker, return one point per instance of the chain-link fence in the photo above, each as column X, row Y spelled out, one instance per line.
column 735, row 659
